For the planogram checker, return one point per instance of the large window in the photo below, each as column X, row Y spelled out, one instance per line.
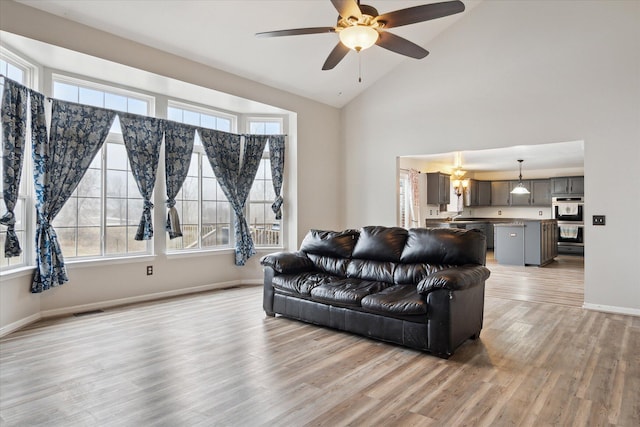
column 205, row 212
column 266, row 230
column 102, row 215
column 22, row 72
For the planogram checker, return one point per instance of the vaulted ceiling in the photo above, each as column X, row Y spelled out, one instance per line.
column 221, row 33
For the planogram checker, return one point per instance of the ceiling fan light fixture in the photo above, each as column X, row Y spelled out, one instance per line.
column 358, row 37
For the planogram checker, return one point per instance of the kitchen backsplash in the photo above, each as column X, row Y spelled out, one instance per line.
column 431, row 211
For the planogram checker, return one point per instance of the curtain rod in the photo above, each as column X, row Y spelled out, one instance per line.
column 48, row 98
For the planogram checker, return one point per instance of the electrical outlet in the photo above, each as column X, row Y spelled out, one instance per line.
column 540, row 213
column 499, row 212
column 149, row 270
column 599, row 220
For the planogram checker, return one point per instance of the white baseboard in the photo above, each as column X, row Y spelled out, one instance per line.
column 12, row 327
column 141, row 298
column 612, row 309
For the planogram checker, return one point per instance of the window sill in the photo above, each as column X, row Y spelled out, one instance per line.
column 84, row 263
column 17, row 272
column 199, row 253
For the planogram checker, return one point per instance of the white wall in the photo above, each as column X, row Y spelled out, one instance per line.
column 311, row 195
column 513, row 73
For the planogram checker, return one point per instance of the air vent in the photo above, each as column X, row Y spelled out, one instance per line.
column 88, row 313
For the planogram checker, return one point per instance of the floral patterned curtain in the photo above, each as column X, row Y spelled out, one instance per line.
column 178, row 140
column 14, row 128
column 143, row 137
column 60, row 162
column 414, row 198
column 276, row 155
column 235, row 179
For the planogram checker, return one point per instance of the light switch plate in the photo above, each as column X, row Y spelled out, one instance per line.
column 599, row 220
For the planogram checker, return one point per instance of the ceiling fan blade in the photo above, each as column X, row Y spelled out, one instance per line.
column 413, row 15
column 336, row 55
column 400, row 45
column 347, row 8
column 297, row 32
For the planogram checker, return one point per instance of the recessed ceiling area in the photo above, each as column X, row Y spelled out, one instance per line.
column 540, row 161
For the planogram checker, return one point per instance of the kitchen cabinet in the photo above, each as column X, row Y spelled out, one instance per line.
column 500, row 193
column 484, row 193
column 568, row 185
column 471, row 193
column 438, row 188
column 509, row 243
column 478, row 193
column 540, row 242
column 519, row 199
column 540, row 192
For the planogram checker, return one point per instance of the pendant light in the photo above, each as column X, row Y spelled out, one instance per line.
column 520, row 188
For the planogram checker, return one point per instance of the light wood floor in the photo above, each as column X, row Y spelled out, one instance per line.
column 215, row 359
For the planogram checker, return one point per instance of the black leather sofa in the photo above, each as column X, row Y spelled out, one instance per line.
column 422, row 288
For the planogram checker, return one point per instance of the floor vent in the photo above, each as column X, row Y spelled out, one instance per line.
column 88, row 313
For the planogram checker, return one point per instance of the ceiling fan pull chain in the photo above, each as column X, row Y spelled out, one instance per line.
column 359, row 68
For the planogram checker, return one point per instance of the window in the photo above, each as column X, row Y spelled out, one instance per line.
column 17, row 69
column 266, row 230
column 205, row 212
column 102, row 215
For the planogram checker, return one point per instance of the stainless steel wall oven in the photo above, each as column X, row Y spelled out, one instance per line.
column 569, row 213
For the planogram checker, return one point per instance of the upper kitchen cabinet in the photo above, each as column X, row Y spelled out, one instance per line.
column 478, row 193
column 438, row 189
column 500, row 193
column 484, row 193
column 540, row 192
column 569, row 185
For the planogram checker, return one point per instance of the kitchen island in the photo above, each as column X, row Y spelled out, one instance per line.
column 526, row 242
column 539, row 238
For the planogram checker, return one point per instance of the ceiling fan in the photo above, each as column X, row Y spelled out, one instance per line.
column 360, row 27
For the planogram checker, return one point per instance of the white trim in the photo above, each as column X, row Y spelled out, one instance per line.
column 612, row 309
column 142, row 298
column 12, row 327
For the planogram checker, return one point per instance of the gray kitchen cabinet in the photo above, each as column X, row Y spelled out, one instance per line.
column 478, row 193
column 438, row 188
column 500, row 193
column 484, row 193
column 540, row 242
column 519, row 199
column 568, row 185
column 509, row 243
column 471, row 193
column 540, row 192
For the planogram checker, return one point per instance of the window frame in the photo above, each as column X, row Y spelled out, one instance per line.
column 25, row 196
column 113, row 137
column 266, row 155
column 198, row 149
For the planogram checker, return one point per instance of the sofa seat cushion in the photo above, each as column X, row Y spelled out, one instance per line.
column 398, row 300
column 302, row 283
column 346, row 292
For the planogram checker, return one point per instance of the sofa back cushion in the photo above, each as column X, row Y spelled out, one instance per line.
column 380, row 243
column 376, row 271
column 330, row 265
column 330, row 243
column 445, row 246
column 410, row 274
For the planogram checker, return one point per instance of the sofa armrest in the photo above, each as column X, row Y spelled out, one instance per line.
column 454, row 279
column 287, row 262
